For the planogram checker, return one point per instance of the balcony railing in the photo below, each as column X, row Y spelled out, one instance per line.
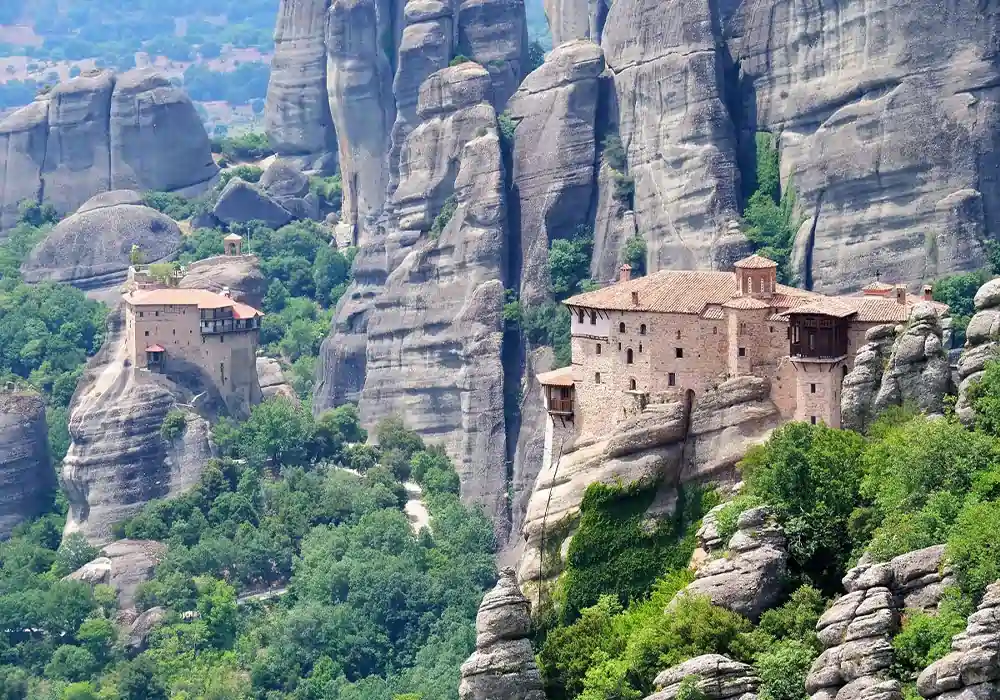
column 561, row 406
column 229, row 326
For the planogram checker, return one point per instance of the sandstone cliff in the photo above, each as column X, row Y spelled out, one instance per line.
column 917, row 371
column 717, row 677
column 27, row 481
column 981, row 344
column 101, row 132
column 862, row 384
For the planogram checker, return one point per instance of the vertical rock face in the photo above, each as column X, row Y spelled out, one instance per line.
column 862, row 384
column 918, row 370
column 494, row 33
column 982, row 340
column 679, row 138
column 554, row 154
column 297, row 111
column 434, row 338
column 26, row 477
column 972, row 669
column 888, row 117
column 575, row 19
column 503, row 664
column 101, row 132
column 359, row 87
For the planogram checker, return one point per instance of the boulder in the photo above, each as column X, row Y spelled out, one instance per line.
column 917, row 372
column 242, row 201
column 111, row 199
column 92, row 249
column 863, row 382
column 143, row 626
column 27, row 480
column 503, row 664
column 240, row 275
column 717, row 677
column 282, row 179
column 554, row 153
column 272, row 380
column 297, row 111
column 751, row 578
column 123, row 565
column 982, row 344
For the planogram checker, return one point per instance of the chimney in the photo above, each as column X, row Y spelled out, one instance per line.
column 625, row 273
column 900, row 294
column 928, row 293
column 635, row 298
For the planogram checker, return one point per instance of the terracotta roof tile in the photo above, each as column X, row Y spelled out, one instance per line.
column 746, row 303
column 878, row 286
column 155, row 348
column 755, row 262
column 557, row 377
column 713, row 312
column 202, row 298
column 827, row 307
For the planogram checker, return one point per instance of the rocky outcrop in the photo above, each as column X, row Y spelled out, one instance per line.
column 27, row 481
column 972, row 669
column 288, row 186
column 575, row 19
column 123, row 565
column 920, row 577
column 359, row 86
column 666, row 443
column 239, row 274
column 503, row 664
column 297, row 111
column 556, row 111
column 494, row 33
column 91, row 249
column 917, row 372
column 751, row 578
column 680, row 142
column 888, row 132
column 982, row 344
column 862, row 384
column 140, row 630
column 242, row 201
column 434, row 342
column 101, row 132
column 272, row 380
column 717, row 677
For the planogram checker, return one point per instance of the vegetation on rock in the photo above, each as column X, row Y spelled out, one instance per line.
column 768, row 213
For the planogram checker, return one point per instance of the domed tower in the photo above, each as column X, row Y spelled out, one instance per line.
column 756, row 276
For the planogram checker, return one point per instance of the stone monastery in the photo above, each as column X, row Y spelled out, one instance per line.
column 675, row 334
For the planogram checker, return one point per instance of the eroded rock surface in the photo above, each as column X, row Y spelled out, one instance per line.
column 717, row 677
column 92, row 248
column 100, row 132
column 123, row 565
column 272, row 379
column 494, row 33
column 556, row 111
column 239, row 274
column 917, row 372
column 243, row 201
column 750, row 579
column 575, row 19
column 27, row 480
column 982, row 343
column 862, row 384
column 503, row 664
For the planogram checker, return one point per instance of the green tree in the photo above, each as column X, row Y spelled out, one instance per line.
column 138, row 680
column 569, row 262
column 635, row 254
column 71, row 663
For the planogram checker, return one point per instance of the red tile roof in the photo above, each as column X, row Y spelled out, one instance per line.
column 755, row 262
column 746, row 303
column 830, row 306
column 155, row 348
column 202, row 298
column 557, row 377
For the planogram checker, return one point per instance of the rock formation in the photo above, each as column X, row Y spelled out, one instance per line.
column 750, row 579
column 27, row 480
column 138, row 632
column 862, row 384
column 288, row 186
column 717, row 677
column 972, row 669
column 239, row 274
column 297, row 111
column 101, row 132
column 242, row 201
column 917, row 372
column 123, row 565
column 434, row 345
column 556, row 111
column 272, row 379
column 92, row 248
column 503, row 664
column 666, row 443
column 494, row 33
column 981, row 345
column 575, row 19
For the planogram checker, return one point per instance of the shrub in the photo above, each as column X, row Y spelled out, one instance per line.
column 635, row 254
column 624, row 188
column 174, row 425
column 443, row 218
column 973, row 549
column 783, row 668
column 459, row 60
column 925, row 638
column 569, row 262
column 614, row 152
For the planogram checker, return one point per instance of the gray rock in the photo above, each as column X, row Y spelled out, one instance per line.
column 503, row 664
column 917, row 372
column 272, row 379
column 717, row 676
column 982, row 345
column 242, row 201
column 143, row 626
column 123, row 565
column 239, row 275
column 27, row 480
column 111, row 199
column 862, row 383
column 988, row 296
column 92, row 249
column 575, row 19
column 297, row 110
column 284, row 180
column 23, row 137
column 554, row 153
column 494, row 33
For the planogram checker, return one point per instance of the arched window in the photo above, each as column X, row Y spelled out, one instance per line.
column 631, row 384
column 621, row 327
column 642, row 329
column 628, row 356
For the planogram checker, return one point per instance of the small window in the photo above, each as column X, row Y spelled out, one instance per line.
column 642, row 329
column 812, row 388
column 771, row 329
column 579, row 315
column 598, row 348
column 621, row 327
column 156, row 313
column 743, row 352
column 628, row 356
column 619, row 347
column 715, row 330
column 812, row 419
column 631, row 384
column 147, row 332
column 140, row 315
column 593, row 318
column 678, row 352
column 597, row 377
column 678, row 334
column 640, row 347
column 222, row 371
column 174, row 332
column 672, row 379
column 222, row 338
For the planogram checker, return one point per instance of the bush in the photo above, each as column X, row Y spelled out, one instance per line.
column 768, row 212
column 174, row 424
column 973, row 549
column 624, row 188
column 569, row 262
column 548, row 324
column 459, row 60
column 635, row 254
column 783, row 668
column 443, row 218
column 925, row 638
column 613, row 152
column 250, row 146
